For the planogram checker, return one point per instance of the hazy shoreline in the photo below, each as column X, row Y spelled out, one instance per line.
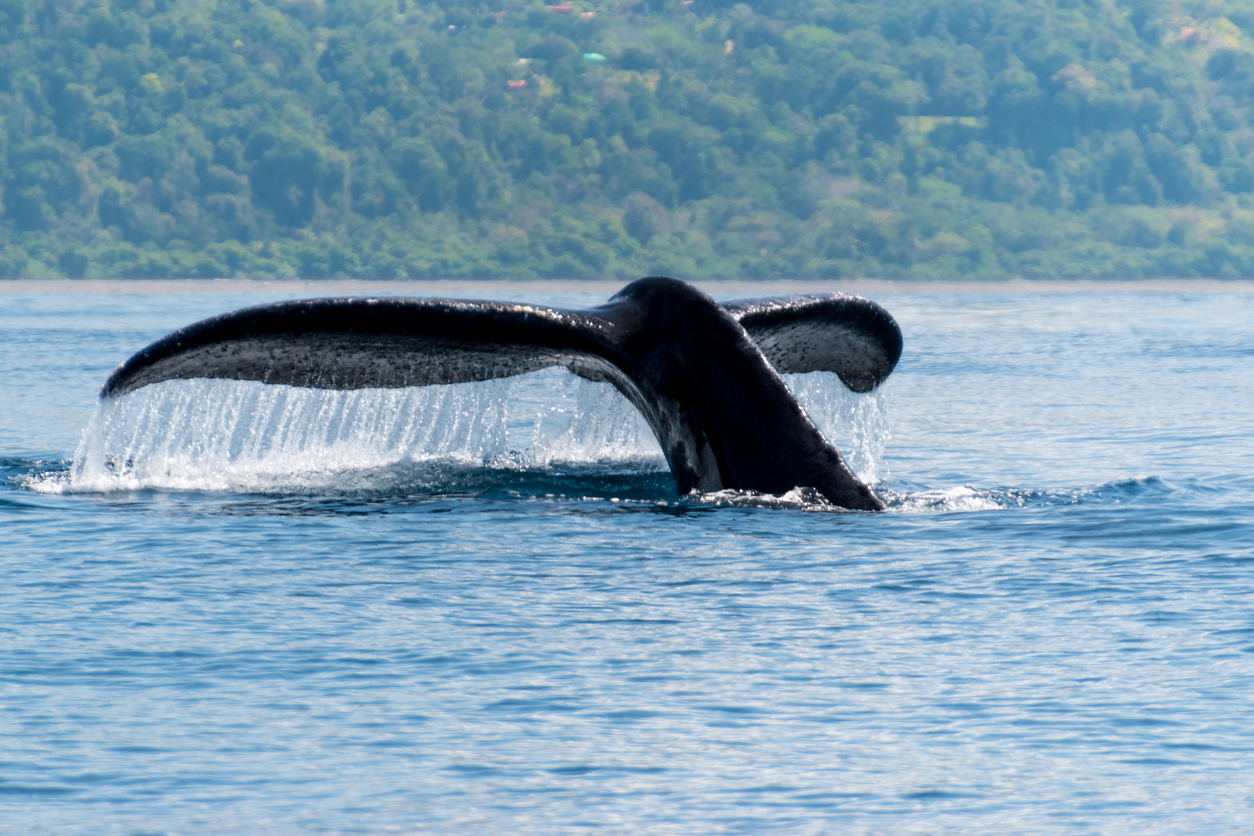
column 463, row 287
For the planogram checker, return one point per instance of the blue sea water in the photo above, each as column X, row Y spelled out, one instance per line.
column 227, row 608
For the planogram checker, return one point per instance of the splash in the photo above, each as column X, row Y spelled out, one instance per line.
column 857, row 425
column 248, row 437
column 577, row 420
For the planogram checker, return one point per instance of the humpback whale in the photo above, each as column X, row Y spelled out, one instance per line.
column 705, row 376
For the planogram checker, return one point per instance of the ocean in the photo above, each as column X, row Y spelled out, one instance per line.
column 484, row 608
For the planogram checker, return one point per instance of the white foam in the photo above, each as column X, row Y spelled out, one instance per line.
column 960, row 499
column 799, row 499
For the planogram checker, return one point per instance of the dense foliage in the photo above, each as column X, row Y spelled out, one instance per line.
column 789, row 138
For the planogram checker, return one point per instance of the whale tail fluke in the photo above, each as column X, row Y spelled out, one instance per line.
column 704, row 375
column 397, row 342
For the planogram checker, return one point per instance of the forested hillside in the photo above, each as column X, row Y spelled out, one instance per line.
column 388, row 138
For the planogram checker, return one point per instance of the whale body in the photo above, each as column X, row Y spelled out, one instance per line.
column 705, row 376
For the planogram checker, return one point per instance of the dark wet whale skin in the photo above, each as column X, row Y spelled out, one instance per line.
column 705, row 376
column 722, row 413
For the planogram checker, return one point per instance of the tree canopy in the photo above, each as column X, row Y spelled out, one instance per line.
column 800, row 138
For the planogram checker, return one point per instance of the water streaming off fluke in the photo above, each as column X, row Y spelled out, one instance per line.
column 243, row 436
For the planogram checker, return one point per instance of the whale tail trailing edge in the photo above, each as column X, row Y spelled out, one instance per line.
column 703, row 375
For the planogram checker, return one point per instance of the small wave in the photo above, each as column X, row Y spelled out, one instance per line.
column 1126, row 490
column 965, row 498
